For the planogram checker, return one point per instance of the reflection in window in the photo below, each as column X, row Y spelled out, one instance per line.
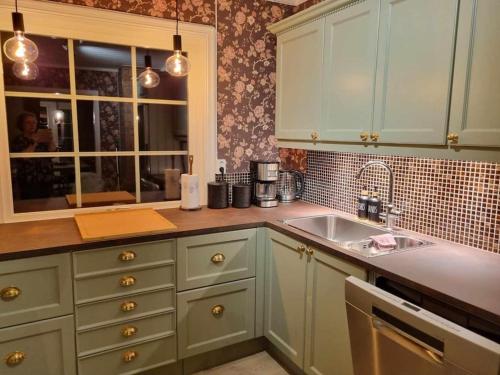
column 170, row 88
column 52, row 63
column 107, row 180
column 160, row 177
column 105, row 126
column 162, row 127
column 41, row 184
column 103, row 69
column 39, row 125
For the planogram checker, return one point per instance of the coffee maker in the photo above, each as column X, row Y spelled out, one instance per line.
column 264, row 183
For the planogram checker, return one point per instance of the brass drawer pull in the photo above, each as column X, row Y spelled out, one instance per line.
column 452, row 137
column 314, row 136
column 127, row 281
column 129, row 356
column 10, row 293
column 129, row 331
column 14, row 359
column 364, row 136
column 217, row 310
column 309, row 251
column 218, row 258
column 375, row 137
column 128, row 306
column 127, row 256
column 301, row 249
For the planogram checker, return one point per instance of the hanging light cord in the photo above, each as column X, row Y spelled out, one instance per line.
column 16, row 6
column 176, row 16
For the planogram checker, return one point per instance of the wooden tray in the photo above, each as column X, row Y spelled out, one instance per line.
column 121, row 223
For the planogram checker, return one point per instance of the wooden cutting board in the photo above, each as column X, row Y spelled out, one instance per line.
column 121, row 223
column 104, row 198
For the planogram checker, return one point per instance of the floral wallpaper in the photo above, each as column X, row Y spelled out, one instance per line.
column 291, row 158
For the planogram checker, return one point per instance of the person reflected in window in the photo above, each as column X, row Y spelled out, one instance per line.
column 34, row 176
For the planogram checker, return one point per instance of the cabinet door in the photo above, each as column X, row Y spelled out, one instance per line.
column 327, row 347
column 414, row 70
column 475, row 113
column 349, row 71
column 285, row 296
column 299, row 67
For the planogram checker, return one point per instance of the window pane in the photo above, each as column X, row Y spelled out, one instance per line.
column 41, row 184
column 160, row 177
column 105, row 126
column 102, row 69
column 162, row 127
column 52, row 63
column 107, row 180
column 39, row 125
column 171, row 88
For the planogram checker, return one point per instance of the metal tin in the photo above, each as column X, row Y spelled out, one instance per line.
column 242, row 195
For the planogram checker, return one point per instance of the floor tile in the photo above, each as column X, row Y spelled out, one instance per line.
column 257, row 364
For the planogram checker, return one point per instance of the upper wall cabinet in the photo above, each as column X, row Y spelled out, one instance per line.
column 415, row 65
column 350, row 51
column 475, row 109
column 299, row 66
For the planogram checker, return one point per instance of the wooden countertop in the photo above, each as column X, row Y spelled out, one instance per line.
column 462, row 276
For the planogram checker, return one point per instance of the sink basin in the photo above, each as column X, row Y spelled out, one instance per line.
column 352, row 235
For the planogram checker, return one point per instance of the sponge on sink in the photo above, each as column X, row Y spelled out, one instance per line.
column 384, row 241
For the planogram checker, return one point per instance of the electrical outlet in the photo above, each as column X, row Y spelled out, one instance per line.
column 221, row 163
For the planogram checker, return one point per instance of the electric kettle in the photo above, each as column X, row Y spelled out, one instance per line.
column 290, row 185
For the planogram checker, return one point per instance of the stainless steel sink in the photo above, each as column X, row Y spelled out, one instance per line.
column 352, row 235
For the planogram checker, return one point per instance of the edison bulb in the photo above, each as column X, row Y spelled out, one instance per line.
column 149, row 78
column 178, row 65
column 26, row 71
column 20, row 49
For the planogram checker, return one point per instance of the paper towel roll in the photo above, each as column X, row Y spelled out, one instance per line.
column 190, row 192
column 172, row 184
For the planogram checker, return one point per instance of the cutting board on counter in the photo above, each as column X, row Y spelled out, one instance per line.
column 121, row 223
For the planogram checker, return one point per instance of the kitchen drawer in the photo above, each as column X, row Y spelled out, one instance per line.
column 141, row 357
column 126, row 333
column 35, row 288
column 123, row 283
column 45, row 347
column 93, row 315
column 123, row 257
column 215, row 258
column 214, row 317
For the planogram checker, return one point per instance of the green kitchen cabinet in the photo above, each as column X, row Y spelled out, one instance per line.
column 349, row 68
column 327, row 346
column 475, row 113
column 305, row 316
column 414, row 71
column 299, row 79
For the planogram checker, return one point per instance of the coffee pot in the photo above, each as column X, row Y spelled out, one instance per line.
column 290, row 185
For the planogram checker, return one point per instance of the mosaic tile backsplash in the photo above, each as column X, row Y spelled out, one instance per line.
column 450, row 199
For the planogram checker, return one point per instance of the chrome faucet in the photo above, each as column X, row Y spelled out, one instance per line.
column 391, row 212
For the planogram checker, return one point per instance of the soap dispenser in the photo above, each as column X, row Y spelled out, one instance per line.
column 374, row 207
column 363, row 204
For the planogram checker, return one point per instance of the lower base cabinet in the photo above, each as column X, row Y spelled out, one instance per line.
column 305, row 315
column 213, row 317
column 44, row 347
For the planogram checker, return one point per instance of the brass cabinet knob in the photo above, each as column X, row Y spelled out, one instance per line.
column 301, row 249
column 128, row 306
column 10, row 293
column 14, row 358
column 217, row 310
column 218, row 258
column 129, row 331
column 452, row 137
column 127, row 256
column 364, row 136
column 314, row 136
column 309, row 251
column 374, row 137
column 127, row 281
column 129, row 356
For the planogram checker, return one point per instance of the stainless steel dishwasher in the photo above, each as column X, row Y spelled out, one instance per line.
column 390, row 336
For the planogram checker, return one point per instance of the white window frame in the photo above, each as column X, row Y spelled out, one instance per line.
column 78, row 22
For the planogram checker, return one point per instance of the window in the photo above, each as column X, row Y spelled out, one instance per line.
column 84, row 133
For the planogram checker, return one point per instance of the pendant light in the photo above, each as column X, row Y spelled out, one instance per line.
column 19, row 48
column 26, row 71
column 177, row 65
column 148, row 78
